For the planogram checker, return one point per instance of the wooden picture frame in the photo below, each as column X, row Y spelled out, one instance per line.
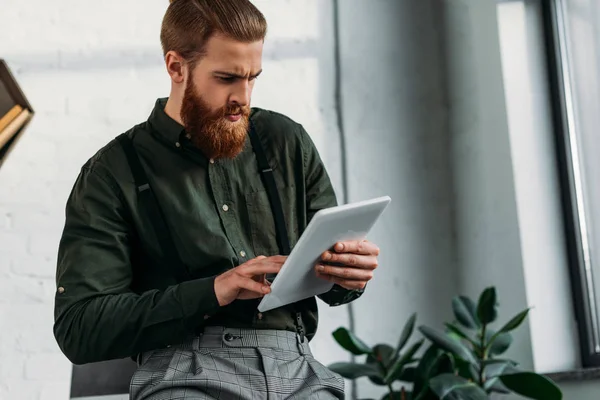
column 9, row 82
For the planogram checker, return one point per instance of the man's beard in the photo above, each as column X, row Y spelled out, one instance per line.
column 210, row 131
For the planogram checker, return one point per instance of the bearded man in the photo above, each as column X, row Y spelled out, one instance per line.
column 174, row 229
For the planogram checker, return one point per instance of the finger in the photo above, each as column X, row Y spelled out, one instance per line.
column 265, row 280
column 347, row 284
column 350, row 274
column 357, row 247
column 278, row 259
column 248, row 295
column 260, row 268
column 253, row 286
column 252, row 261
column 352, row 260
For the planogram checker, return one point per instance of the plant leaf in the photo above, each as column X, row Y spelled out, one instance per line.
column 351, row 342
column 408, row 374
column 452, row 387
column 491, row 361
column 385, row 354
column 532, row 385
column 467, row 392
column 424, row 395
column 396, row 395
column 352, row 371
column 454, row 336
column 501, row 342
column 515, row 321
column 465, row 312
column 492, row 371
column 459, row 332
column 433, row 362
column 409, row 326
column 466, row 369
column 448, row 344
column 496, row 386
column 399, row 365
column 487, row 310
column 425, row 368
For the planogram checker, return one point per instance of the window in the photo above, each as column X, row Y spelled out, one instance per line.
column 573, row 44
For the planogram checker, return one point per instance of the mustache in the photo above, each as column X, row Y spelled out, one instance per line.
column 234, row 109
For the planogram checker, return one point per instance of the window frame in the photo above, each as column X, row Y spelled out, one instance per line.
column 563, row 118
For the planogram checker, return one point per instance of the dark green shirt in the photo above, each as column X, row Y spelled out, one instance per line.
column 117, row 295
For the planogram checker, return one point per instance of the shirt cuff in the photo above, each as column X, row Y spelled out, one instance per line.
column 338, row 295
column 198, row 299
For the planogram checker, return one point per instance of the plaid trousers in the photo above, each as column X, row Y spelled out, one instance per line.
column 230, row 364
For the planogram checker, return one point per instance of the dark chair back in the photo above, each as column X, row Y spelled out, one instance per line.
column 103, row 378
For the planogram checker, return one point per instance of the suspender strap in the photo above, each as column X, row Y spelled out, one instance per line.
column 147, row 202
column 271, row 187
column 280, row 228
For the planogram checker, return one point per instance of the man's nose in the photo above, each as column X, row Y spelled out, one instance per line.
column 241, row 95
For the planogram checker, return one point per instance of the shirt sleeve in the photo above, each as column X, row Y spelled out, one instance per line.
column 96, row 316
column 320, row 194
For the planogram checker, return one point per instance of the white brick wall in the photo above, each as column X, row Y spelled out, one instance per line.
column 92, row 70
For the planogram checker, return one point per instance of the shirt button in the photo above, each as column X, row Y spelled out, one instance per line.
column 61, row 289
column 225, row 207
column 177, row 144
column 188, row 136
column 206, row 316
column 243, row 253
column 212, row 161
column 260, row 316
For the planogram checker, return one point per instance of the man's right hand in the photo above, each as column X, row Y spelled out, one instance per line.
column 248, row 280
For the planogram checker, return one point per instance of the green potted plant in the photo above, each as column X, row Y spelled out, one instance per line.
column 461, row 362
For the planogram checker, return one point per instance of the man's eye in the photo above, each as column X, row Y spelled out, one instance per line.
column 227, row 79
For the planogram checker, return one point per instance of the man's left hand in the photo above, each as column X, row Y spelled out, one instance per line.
column 354, row 263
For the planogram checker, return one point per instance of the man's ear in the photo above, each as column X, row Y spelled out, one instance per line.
column 176, row 66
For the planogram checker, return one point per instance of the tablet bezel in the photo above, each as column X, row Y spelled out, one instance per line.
column 275, row 299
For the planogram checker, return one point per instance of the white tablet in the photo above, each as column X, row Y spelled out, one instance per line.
column 297, row 279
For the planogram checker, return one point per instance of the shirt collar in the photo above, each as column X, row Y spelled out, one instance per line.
column 166, row 126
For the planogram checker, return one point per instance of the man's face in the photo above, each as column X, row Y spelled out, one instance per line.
column 216, row 103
